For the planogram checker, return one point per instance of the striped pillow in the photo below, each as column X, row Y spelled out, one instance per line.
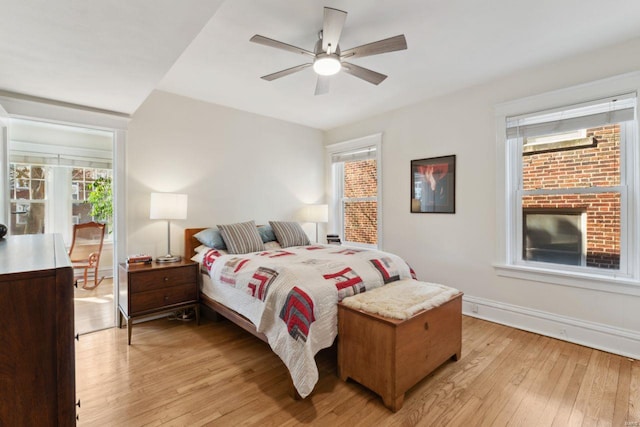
column 289, row 233
column 241, row 238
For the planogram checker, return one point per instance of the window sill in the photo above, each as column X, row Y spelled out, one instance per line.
column 616, row 285
column 360, row 245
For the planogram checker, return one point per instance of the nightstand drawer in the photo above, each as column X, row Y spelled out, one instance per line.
column 151, row 300
column 162, row 278
column 152, row 289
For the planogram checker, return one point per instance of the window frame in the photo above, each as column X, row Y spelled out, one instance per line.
column 336, row 213
column 509, row 209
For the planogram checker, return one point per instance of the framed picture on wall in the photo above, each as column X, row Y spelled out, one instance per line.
column 433, row 185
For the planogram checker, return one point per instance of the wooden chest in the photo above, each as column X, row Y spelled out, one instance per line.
column 389, row 356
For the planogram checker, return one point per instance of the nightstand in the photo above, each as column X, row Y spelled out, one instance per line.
column 151, row 289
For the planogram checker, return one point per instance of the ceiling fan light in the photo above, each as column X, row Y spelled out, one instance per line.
column 326, row 65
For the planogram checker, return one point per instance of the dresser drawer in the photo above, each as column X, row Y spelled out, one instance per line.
column 162, row 278
column 159, row 298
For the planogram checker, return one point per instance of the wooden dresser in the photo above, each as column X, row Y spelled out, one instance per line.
column 37, row 360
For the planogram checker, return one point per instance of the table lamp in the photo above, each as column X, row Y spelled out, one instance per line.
column 317, row 214
column 168, row 206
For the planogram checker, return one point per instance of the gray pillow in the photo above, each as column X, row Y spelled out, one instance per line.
column 211, row 237
column 241, row 238
column 289, row 233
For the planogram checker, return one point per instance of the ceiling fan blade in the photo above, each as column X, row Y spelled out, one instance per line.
column 277, row 75
column 363, row 73
column 332, row 27
column 322, row 86
column 279, row 45
column 381, row 46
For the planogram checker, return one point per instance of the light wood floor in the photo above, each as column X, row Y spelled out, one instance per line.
column 94, row 309
column 177, row 373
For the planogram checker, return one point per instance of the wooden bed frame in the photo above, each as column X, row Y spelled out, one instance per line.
column 215, row 308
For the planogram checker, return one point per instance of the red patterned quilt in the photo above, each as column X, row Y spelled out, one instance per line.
column 291, row 295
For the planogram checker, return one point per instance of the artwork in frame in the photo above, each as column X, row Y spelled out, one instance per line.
column 433, row 185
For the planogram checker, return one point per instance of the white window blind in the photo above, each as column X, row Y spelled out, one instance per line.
column 597, row 113
column 58, row 155
column 368, row 153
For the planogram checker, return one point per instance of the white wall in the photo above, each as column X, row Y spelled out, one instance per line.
column 458, row 250
column 234, row 166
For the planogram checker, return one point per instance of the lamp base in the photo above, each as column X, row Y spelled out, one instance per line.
column 168, row 258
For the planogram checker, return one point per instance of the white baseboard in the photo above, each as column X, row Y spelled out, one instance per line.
column 595, row 335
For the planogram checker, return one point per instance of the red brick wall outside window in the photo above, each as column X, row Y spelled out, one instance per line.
column 591, row 166
column 361, row 217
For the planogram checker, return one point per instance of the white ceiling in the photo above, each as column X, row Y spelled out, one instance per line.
column 107, row 54
column 111, row 54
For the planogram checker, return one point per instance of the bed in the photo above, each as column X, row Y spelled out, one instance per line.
column 288, row 296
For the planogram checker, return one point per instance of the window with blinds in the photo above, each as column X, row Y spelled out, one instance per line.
column 571, row 174
column 354, row 174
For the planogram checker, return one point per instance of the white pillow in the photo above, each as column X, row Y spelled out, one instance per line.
column 270, row 246
column 199, row 257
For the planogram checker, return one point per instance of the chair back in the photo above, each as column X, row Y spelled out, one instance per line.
column 88, row 239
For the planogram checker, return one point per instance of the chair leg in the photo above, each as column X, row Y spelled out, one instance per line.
column 96, row 281
column 88, row 288
column 86, row 281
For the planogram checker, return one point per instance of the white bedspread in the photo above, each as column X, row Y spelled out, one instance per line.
column 291, row 295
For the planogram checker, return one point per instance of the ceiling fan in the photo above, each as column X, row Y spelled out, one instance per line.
column 328, row 59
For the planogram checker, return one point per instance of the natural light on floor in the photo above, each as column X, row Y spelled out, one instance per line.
column 94, row 308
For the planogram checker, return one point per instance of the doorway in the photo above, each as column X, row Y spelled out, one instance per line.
column 59, row 176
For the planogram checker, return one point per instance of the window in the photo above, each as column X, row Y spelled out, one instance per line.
column 81, row 180
column 33, row 196
column 354, row 203
column 27, row 191
column 51, row 169
column 570, row 192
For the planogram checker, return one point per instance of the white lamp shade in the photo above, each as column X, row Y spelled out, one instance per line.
column 316, row 213
column 168, row 206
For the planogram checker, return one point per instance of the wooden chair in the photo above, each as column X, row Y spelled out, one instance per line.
column 86, row 248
